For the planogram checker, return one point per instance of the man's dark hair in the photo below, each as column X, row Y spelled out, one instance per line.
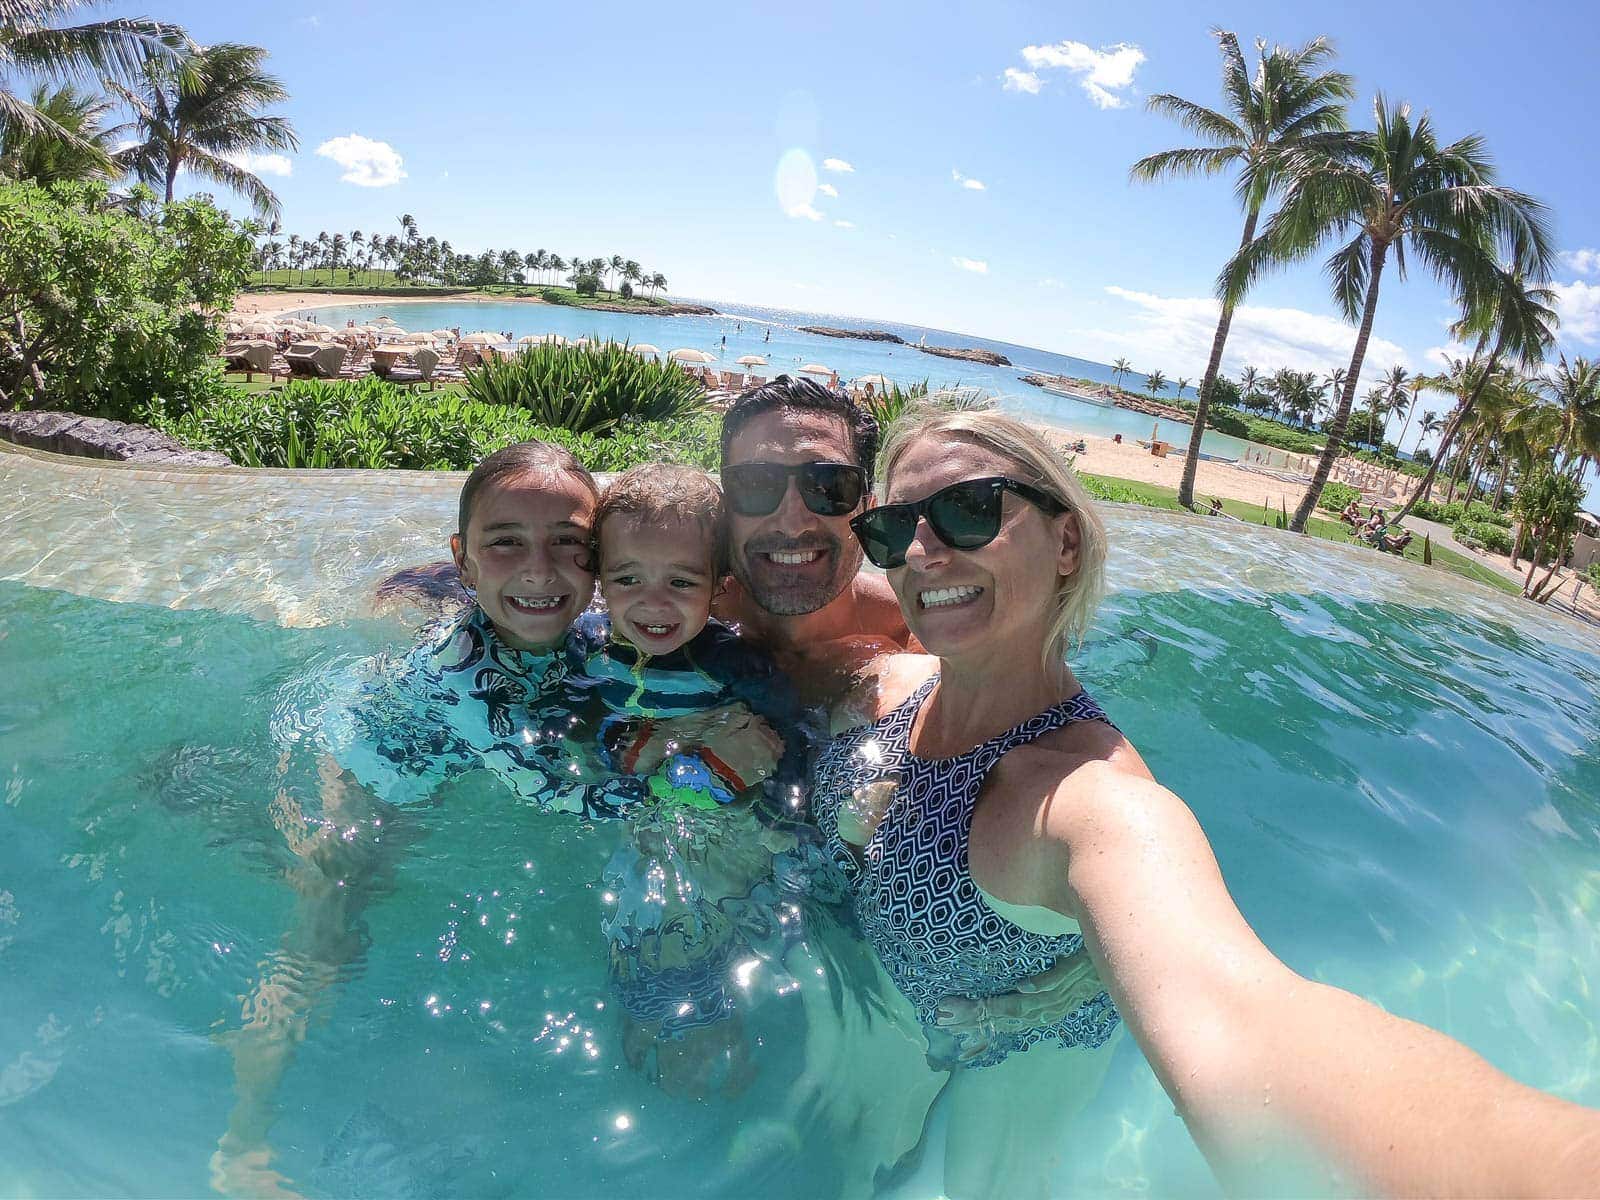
column 520, row 458
column 786, row 392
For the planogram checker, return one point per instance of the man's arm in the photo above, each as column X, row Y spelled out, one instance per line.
column 1261, row 1061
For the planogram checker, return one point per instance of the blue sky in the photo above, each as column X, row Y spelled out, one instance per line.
column 658, row 132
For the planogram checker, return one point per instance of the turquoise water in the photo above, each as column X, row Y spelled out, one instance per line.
column 1403, row 799
column 790, row 349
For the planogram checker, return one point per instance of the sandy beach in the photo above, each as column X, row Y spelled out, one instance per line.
column 267, row 304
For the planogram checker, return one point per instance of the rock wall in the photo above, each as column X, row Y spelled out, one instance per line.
column 97, row 437
column 988, row 357
column 864, row 335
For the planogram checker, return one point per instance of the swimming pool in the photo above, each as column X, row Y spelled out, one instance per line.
column 1400, row 775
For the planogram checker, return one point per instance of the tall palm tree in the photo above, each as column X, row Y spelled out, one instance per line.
column 1287, row 104
column 203, row 127
column 1119, row 368
column 658, row 282
column 1521, row 320
column 1249, row 380
column 1395, row 399
column 33, row 44
column 1375, row 395
column 44, row 156
column 1155, row 383
column 1410, row 409
column 1397, row 190
column 1431, row 422
column 1575, row 388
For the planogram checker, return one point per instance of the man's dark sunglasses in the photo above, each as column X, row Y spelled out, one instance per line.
column 828, row 489
column 964, row 516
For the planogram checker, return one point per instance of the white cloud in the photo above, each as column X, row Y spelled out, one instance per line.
column 807, row 210
column 966, row 181
column 311, row 21
column 1050, row 281
column 845, row 224
column 262, row 164
column 1101, row 73
column 837, row 164
column 827, row 189
column 1584, row 262
column 976, row 265
column 1022, row 81
column 366, row 163
column 1439, row 358
column 1174, row 333
column 1578, row 304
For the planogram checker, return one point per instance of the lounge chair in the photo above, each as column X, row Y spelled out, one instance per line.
column 249, row 357
column 755, row 381
column 467, row 355
column 317, row 360
column 732, row 380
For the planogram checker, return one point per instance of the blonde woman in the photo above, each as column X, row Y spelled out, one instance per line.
column 994, row 826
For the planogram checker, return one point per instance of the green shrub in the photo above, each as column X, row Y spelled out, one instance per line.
column 1483, row 535
column 586, row 285
column 587, row 389
column 1112, row 491
column 1458, row 510
column 370, row 423
column 1336, row 496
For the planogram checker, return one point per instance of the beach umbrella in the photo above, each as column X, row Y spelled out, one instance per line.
column 542, row 339
column 313, row 328
column 751, row 360
column 691, row 356
column 418, row 337
column 816, row 369
column 444, row 335
column 259, row 329
column 878, row 382
column 483, row 338
column 383, row 321
column 644, row 348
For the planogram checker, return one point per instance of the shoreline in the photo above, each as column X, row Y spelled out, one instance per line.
column 270, row 304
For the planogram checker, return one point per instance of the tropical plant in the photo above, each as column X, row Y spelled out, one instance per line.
column 1155, row 383
column 588, row 389
column 1395, row 398
column 44, row 156
column 1521, row 321
column 1286, row 105
column 1396, row 189
column 1119, row 368
column 33, row 44
column 100, row 310
column 373, row 424
column 200, row 114
column 1336, row 497
column 1548, row 506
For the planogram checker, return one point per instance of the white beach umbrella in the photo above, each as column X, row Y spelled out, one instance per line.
column 644, row 348
column 691, row 356
column 260, row 329
column 483, row 337
column 542, row 339
column 878, row 382
column 386, row 320
column 816, row 369
column 444, row 335
column 418, row 337
column 751, row 360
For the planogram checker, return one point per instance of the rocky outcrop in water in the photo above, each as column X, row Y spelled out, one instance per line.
column 865, row 335
column 96, row 437
column 987, row 357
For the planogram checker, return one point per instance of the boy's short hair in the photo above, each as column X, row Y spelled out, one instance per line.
column 663, row 493
column 520, row 458
column 805, row 395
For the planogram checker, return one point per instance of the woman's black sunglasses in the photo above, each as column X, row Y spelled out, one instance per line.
column 964, row 516
column 828, row 489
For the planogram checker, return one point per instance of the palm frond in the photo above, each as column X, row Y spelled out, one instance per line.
column 1192, row 160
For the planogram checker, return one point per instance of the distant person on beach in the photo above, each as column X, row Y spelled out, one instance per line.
column 768, row 336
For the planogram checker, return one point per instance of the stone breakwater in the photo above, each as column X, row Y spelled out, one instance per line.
column 96, row 437
column 1139, row 404
column 987, row 357
column 864, row 335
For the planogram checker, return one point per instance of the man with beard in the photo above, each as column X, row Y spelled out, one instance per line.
column 797, row 462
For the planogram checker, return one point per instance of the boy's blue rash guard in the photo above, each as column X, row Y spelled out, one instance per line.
column 462, row 700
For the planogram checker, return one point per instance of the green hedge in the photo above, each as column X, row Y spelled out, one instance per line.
column 370, row 423
column 586, row 388
column 1458, row 510
column 1483, row 535
column 1335, row 496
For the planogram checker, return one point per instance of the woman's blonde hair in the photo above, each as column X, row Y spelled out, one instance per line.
column 1045, row 467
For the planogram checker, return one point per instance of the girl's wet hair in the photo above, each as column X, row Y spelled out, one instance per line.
column 521, row 458
column 662, row 493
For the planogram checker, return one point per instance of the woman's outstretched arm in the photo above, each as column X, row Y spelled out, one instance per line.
column 1263, row 1063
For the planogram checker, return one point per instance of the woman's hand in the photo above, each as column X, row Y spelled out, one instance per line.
column 1038, row 1000
column 740, row 740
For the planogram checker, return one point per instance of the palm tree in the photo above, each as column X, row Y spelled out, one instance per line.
column 1410, row 409
column 1182, row 383
column 658, row 283
column 1522, row 321
column 1397, row 189
column 1119, row 368
column 1395, row 399
column 1288, row 104
column 32, row 44
column 1249, row 380
column 1155, row 383
column 615, row 265
column 1575, row 388
column 44, row 156
column 1431, row 422
column 203, row 127
column 632, row 272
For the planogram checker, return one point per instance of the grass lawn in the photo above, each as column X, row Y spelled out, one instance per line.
column 1153, row 495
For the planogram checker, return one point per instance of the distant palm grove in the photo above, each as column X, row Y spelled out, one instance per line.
column 413, row 258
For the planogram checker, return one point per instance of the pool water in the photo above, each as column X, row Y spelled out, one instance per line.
column 1402, row 795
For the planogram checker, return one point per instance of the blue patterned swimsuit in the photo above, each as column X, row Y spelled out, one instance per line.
column 914, row 896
